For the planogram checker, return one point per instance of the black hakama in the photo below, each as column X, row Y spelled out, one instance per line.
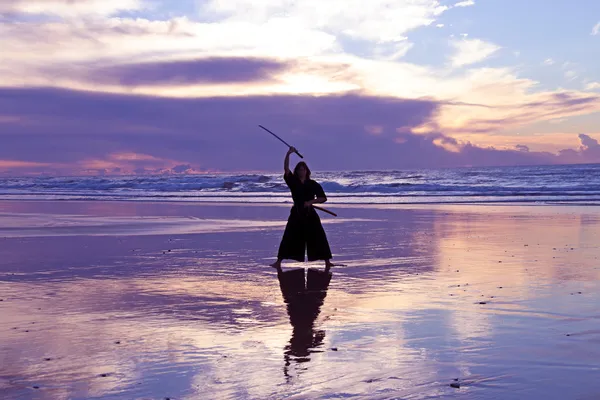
column 304, row 232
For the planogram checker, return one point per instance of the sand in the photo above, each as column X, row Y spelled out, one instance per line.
column 131, row 300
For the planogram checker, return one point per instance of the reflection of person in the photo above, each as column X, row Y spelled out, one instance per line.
column 303, row 305
column 303, row 230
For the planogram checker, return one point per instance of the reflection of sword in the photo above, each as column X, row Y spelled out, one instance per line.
column 283, row 141
column 327, row 211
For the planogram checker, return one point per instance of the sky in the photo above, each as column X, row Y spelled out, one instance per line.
column 94, row 87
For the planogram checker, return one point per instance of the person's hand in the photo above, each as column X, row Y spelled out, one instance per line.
column 291, row 150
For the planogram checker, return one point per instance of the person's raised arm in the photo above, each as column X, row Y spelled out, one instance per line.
column 286, row 162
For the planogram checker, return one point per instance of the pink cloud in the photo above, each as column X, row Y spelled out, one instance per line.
column 20, row 164
column 126, row 163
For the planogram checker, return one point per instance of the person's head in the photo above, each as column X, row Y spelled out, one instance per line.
column 302, row 171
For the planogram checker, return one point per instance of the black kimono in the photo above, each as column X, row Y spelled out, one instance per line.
column 303, row 231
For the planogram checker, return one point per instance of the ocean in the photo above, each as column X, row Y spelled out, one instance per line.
column 559, row 184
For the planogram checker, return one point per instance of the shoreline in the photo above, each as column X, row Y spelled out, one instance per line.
column 287, row 203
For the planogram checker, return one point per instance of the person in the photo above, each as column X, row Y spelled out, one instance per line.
column 303, row 231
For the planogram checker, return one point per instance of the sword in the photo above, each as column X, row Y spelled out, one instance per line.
column 283, row 141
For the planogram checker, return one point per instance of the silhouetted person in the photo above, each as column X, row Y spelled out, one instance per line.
column 304, row 301
column 303, row 232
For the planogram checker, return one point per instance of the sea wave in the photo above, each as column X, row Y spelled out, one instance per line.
column 577, row 183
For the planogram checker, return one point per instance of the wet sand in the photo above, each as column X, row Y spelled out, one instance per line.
column 108, row 300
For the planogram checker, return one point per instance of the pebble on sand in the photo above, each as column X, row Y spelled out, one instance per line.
column 35, row 387
column 455, row 385
column 483, row 302
column 334, row 349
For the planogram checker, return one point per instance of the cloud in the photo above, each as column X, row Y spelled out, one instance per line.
column 376, row 20
column 185, row 72
column 592, row 86
column 336, row 51
column 20, row 164
column 549, row 61
column 68, row 8
column 589, row 147
column 465, row 3
column 588, row 152
column 182, row 168
column 92, row 133
column 30, row 50
column 570, row 75
column 471, row 51
column 229, row 26
column 380, row 23
column 522, row 148
column 596, row 29
column 102, row 131
column 128, row 163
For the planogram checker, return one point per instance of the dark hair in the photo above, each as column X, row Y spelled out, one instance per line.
column 302, row 164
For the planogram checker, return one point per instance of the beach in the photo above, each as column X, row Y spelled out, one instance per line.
column 148, row 300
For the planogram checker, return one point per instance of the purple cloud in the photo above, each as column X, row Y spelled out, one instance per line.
column 219, row 132
column 205, row 70
column 177, row 135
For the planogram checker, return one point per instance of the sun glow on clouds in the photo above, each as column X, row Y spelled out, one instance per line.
column 376, row 20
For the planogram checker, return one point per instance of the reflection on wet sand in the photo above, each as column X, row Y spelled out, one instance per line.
column 304, row 299
column 481, row 294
